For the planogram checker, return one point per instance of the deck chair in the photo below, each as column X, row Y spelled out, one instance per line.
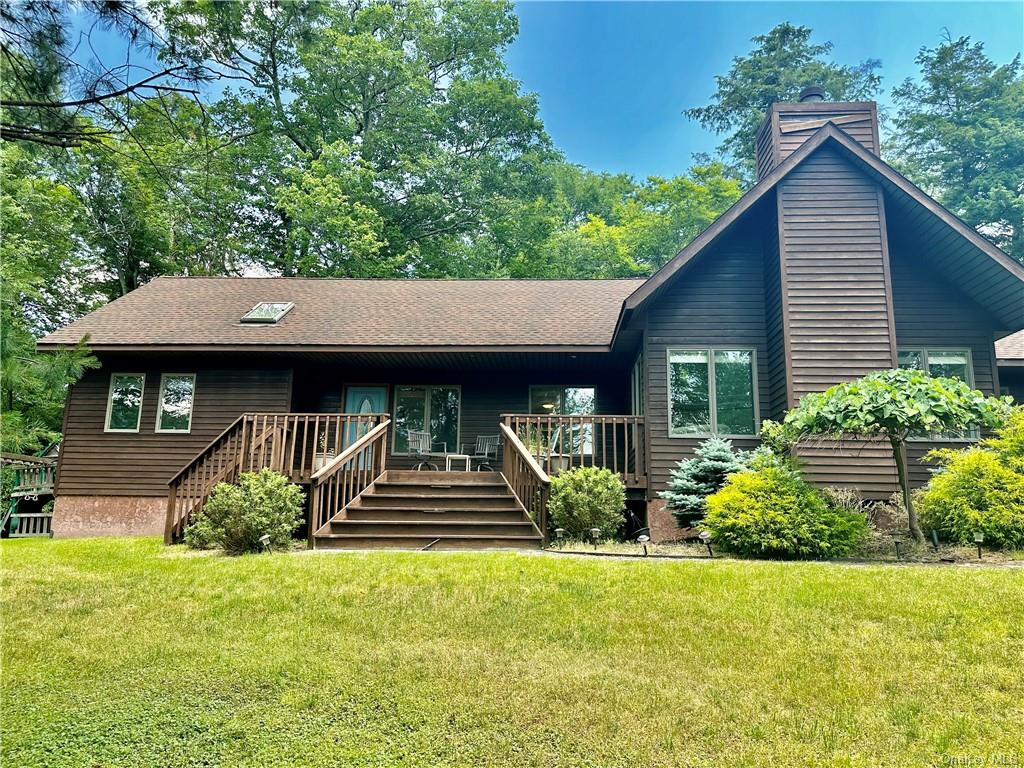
column 421, row 446
column 484, row 451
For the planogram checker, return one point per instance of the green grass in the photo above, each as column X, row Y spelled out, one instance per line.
column 124, row 653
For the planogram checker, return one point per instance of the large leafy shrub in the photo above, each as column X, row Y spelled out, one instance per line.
column 236, row 516
column 693, row 480
column 770, row 511
column 585, row 498
column 893, row 405
column 980, row 489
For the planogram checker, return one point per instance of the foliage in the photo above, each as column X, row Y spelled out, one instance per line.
column 693, row 480
column 959, row 133
column 980, row 489
column 782, row 62
column 893, row 405
column 587, row 497
column 777, row 437
column 234, row 518
column 772, row 512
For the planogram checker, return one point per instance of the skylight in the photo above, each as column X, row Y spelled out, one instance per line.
column 267, row 312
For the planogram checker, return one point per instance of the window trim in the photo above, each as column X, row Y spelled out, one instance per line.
column 246, row 320
column 563, row 387
column 426, row 415
column 637, row 384
column 712, row 393
column 160, row 405
column 110, row 402
column 924, row 352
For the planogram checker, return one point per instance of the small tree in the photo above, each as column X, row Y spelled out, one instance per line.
column 894, row 405
column 693, row 480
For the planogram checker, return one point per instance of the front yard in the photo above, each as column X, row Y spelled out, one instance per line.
column 124, row 653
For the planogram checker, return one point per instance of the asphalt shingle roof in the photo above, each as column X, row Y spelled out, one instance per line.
column 205, row 311
column 1011, row 347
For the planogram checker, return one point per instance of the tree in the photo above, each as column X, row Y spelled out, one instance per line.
column 959, row 133
column 782, row 62
column 693, row 480
column 894, row 405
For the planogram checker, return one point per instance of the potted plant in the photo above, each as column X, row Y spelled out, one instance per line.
column 323, row 457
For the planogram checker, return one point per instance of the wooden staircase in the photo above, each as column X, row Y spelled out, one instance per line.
column 432, row 510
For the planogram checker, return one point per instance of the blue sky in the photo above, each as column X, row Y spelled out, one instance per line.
column 614, row 78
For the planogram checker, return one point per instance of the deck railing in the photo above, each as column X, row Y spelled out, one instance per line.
column 562, row 442
column 528, row 481
column 294, row 444
column 335, row 486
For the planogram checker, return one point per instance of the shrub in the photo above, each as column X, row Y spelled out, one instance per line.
column 236, row 516
column 974, row 491
column 693, row 480
column 1008, row 443
column 585, row 498
column 771, row 511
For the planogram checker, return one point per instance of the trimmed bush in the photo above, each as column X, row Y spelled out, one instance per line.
column 693, row 480
column 585, row 498
column 771, row 511
column 976, row 490
column 236, row 516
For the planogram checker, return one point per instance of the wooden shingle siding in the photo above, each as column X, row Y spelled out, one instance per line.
column 834, row 269
column 720, row 302
column 94, row 462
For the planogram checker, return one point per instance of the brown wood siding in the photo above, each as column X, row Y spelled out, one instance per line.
column 933, row 313
column 836, row 304
column 95, row 462
column 776, row 355
column 787, row 126
column 718, row 301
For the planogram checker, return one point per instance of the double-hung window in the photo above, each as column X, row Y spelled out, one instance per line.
column 174, row 412
column 433, row 409
column 712, row 391
column 124, row 402
column 951, row 363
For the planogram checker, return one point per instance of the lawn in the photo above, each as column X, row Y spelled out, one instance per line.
column 124, row 653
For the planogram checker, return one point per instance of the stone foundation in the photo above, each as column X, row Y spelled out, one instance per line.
column 109, row 516
column 663, row 525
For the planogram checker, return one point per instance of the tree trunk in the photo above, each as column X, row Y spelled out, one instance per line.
column 899, row 453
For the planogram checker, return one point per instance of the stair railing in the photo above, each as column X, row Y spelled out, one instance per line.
column 343, row 479
column 529, row 483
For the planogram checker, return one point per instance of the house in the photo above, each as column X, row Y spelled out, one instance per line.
column 1010, row 362
column 832, row 266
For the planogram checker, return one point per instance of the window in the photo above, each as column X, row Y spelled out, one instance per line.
column 563, row 400
column 952, row 363
column 636, row 387
column 433, row 409
column 124, row 402
column 174, row 412
column 267, row 312
column 712, row 391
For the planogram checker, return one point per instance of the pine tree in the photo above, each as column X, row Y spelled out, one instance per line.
column 695, row 479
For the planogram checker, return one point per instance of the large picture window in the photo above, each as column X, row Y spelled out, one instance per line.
column 712, row 391
column 565, row 401
column 177, row 392
column 951, row 363
column 428, row 408
column 124, row 402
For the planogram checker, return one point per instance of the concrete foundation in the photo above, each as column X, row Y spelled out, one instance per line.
column 109, row 516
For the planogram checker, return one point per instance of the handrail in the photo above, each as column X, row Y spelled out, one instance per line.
column 349, row 452
column 529, row 482
column 208, row 446
column 340, row 482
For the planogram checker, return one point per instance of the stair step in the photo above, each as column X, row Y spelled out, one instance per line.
column 435, row 528
column 416, row 541
column 427, row 515
column 429, row 477
column 382, row 487
column 374, row 500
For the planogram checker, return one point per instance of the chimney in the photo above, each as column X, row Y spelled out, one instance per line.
column 789, row 124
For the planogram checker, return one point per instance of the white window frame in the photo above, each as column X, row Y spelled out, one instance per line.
column 110, row 402
column 160, row 404
column 457, row 448
column 712, row 394
column 973, row 435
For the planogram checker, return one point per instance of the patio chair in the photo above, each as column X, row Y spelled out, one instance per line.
column 485, row 450
column 422, row 447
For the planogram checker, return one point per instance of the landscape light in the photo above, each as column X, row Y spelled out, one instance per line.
column 559, row 536
column 898, row 543
column 979, row 539
column 265, row 541
column 595, row 534
column 706, row 538
column 642, row 540
column 935, row 540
